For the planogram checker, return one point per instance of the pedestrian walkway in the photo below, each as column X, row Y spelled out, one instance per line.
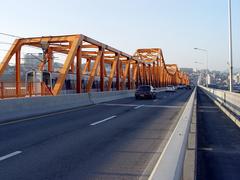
column 218, row 154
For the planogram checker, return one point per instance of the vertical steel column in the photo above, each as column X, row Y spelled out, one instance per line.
column 144, row 74
column 139, row 76
column 18, row 72
column 163, row 77
column 154, row 75
column 129, row 75
column 2, row 90
column 79, row 70
column 117, row 73
column 102, row 70
column 135, row 75
column 158, row 75
column 149, row 74
column 72, row 67
column 50, row 60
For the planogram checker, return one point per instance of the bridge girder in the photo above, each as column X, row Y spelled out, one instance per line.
column 146, row 66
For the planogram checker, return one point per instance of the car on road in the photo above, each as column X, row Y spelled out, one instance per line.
column 180, row 86
column 188, row 87
column 145, row 91
column 170, row 88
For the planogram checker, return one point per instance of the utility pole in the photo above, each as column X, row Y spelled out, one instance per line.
column 230, row 47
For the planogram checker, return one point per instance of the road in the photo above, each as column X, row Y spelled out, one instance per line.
column 121, row 139
column 218, row 155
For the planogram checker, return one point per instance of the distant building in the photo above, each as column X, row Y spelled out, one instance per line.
column 236, row 78
column 31, row 61
column 210, row 79
column 187, row 70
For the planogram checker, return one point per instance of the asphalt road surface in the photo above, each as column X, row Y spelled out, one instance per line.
column 121, row 139
column 218, row 155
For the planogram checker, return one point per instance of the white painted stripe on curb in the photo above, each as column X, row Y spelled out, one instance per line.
column 10, row 155
column 139, row 106
column 106, row 119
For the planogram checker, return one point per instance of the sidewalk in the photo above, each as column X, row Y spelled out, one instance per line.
column 218, row 154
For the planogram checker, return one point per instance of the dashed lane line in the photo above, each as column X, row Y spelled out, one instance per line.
column 104, row 120
column 10, row 155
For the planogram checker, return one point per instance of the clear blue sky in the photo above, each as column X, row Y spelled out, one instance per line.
column 173, row 25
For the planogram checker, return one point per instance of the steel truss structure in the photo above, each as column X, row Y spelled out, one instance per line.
column 146, row 66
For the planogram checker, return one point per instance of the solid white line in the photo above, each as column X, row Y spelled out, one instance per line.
column 138, row 106
column 10, row 155
column 98, row 122
column 145, row 105
column 111, row 104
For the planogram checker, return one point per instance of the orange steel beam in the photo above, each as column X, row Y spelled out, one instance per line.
column 18, row 73
column 93, row 71
column 9, row 55
column 64, row 70
column 118, row 72
column 129, row 75
column 79, row 70
column 113, row 69
column 125, row 73
column 102, row 70
column 146, row 66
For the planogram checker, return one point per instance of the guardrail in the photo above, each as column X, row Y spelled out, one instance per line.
column 26, row 107
column 228, row 102
column 10, row 90
column 170, row 163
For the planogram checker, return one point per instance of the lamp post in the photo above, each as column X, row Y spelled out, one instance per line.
column 206, row 51
column 200, row 73
column 230, row 46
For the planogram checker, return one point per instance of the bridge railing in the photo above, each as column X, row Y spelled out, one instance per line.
column 14, row 90
column 229, row 102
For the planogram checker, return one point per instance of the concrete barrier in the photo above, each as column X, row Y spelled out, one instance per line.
column 12, row 109
column 228, row 102
column 25, row 107
column 171, row 162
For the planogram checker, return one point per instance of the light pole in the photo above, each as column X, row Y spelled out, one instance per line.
column 200, row 73
column 230, row 46
column 206, row 51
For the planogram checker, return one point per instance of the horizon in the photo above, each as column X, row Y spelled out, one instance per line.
column 173, row 26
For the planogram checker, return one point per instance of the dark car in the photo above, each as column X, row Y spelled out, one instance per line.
column 188, row 87
column 145, row 91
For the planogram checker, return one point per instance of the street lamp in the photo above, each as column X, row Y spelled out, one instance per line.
column 196, row 62
column 230, row 47
column 206, row 51
column 200, row 73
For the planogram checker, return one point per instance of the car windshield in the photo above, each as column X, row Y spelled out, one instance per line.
column 144, row 88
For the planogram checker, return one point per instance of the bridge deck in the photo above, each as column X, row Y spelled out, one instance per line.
column 218, row 155
column 121, row 139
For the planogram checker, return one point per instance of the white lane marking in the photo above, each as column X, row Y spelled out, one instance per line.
column 155, row 100
column 145, row 105
column 139, row 106
column 112, row 104
column 106, row 119
column 10, row 155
